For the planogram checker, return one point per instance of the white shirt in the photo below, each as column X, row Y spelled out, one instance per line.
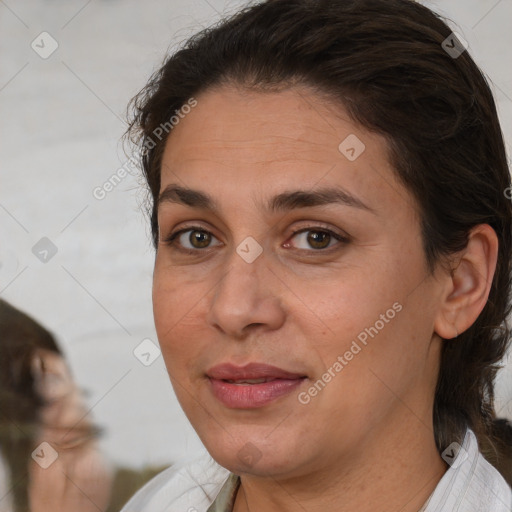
column 471, row 484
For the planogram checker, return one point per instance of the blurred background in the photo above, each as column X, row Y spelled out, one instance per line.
column 76, row 255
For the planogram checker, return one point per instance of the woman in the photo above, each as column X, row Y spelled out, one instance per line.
column 332, row 274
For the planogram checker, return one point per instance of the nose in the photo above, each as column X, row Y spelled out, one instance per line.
column 246, row 298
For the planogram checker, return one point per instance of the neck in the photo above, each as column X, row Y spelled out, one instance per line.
column 400, row 473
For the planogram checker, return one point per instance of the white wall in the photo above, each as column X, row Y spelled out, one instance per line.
column 61, row 120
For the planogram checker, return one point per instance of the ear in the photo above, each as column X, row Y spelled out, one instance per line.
column 468, row 284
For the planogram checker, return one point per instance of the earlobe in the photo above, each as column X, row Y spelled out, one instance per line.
column 468, row 284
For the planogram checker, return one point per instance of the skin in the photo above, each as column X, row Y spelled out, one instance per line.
column 365, row 442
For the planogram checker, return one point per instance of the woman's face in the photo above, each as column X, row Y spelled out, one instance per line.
column 303, row 274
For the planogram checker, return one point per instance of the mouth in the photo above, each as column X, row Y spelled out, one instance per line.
column 246, row 382
column 251, row 386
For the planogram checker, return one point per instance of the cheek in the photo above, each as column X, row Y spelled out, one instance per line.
column 367, row 315
column 383, row 343
column 175, row 298
column 166, row 309
column 171, row 305
column 179, row 310
column 344, row 307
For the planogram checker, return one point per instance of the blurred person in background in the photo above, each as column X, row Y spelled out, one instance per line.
column 41, row 403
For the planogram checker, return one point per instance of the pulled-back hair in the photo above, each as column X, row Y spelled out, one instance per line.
column 385, row 62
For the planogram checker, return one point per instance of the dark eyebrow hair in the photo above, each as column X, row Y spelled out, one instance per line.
column 281, row 202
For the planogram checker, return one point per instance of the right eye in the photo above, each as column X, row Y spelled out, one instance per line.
column 198, row 238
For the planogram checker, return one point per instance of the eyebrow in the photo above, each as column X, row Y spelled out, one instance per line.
column 284, row 201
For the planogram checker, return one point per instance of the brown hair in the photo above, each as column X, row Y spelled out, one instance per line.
column 385, row 62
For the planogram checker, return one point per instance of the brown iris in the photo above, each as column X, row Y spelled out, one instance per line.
column 317, row 239
column 202, row 238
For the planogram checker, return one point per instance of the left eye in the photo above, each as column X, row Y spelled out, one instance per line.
column 318, row 238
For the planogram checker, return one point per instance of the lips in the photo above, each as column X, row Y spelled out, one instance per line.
column 250, row 371
column 251, row 386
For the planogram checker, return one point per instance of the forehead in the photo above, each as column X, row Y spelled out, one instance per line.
column 290, row 124
column 236, row 140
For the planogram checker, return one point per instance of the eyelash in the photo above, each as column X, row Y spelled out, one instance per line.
column 171, row 239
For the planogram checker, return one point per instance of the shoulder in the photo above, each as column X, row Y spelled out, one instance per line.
column 488, row 485
column 471, row 484
column 187, row 487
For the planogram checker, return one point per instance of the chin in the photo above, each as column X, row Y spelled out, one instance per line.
column 252, row 451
